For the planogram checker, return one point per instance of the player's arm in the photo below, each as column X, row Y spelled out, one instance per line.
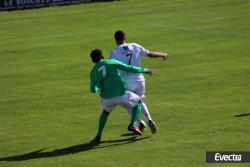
column 132, row 69
column 95, row 79
column 154, row 54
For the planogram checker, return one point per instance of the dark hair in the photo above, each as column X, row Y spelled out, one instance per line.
column 120, row 35
column 96, row 55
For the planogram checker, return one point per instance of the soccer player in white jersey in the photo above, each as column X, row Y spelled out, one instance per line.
column 131, row 53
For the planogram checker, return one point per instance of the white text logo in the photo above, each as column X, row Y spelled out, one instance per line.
column 225, row 157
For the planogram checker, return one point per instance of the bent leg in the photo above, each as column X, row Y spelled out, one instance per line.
column 135, row 113
column 140, row 91
column 146, row 112
column 132, row 101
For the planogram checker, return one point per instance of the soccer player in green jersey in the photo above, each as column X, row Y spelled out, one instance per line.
column 106, row 80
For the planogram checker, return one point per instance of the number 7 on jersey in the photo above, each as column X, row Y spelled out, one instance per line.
column 130, row 57
column 103, row 70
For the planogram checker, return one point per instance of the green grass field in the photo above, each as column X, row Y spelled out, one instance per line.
column 196, row 97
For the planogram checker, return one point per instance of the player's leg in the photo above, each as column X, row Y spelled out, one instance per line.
column 140, row 90
column 140, row 123
column 146, row 113
column 132, row 101
column 131, row 86
column 102, row 121
column 108, row 106
column 135, row 113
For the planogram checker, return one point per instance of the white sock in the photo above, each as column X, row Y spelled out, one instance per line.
column 146, row 112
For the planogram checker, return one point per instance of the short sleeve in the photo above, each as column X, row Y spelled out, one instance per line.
column 142, row 50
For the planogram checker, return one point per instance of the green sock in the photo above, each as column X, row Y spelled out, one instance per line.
column 135, row 113
column 102, row 122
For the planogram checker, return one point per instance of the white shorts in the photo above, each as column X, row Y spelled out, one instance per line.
column 137, row 87
column 127, row 101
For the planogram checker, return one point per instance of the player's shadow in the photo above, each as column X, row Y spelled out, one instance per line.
column 70, row 150
column 127, row 134
column 242, row 115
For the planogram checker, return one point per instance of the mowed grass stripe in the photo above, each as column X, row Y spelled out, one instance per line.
column 193, row 97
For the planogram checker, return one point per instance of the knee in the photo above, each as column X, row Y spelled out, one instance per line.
column 106, row 112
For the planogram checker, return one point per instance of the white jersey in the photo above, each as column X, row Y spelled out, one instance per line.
column 130, row 53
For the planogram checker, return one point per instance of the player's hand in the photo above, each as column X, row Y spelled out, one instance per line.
column 164, row 56
column 149, row 71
